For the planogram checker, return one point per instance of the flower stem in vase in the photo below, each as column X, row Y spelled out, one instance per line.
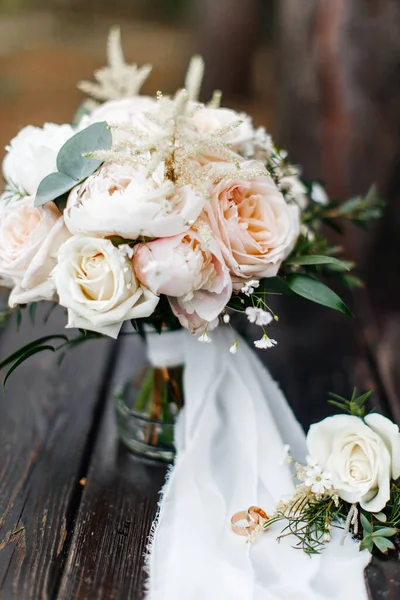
column 146, row 411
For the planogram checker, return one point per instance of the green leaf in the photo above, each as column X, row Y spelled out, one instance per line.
column 72, row 164
column 380, row 517
column 385, row 532
column 53, row 186
column 276, row 285
column 367, row 543
column 61, row 202
column 366, row 525
column 32, row 312
column 315, row 259
column 71, row 160
column 316, row 291
column 23, row 358
column 28, row 347
column 383, row 544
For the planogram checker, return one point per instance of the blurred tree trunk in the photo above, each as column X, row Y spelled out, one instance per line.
column 339, row 108
column 228, row 36
column 340, row 89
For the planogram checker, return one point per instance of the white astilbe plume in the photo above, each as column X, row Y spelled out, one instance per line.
column 118, row 79
column 174, row 140
column 194, row 77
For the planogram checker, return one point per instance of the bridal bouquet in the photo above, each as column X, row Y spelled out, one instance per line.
column 163, row 211
column 351, row 481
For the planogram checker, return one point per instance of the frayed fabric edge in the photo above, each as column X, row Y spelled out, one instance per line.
column 153, row 530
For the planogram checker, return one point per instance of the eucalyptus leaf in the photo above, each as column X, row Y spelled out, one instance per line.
column 72, row 163
column 71, row 158
column 316, row 291
column 317, row 260
column 53, row 186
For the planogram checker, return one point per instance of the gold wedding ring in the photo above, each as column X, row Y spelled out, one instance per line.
column 251, row 517
column 255, row 513
column 242, row 529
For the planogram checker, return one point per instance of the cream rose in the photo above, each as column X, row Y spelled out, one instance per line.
column 125, row 201
column 96, row 283
column 191, row 272
column 255, row 227
column 29, row 240
column 32, row 155
column 362, row 457
column 208, row 120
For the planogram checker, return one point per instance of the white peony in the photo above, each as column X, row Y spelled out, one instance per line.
column 125, row 201
column 362, row 457
column 32, row 155
column 127, row 111
column 207, row 120
column 96, row 283
column 29, row 240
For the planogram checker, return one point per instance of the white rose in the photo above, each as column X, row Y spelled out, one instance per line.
column 96, row 283
column 362, row 457
column 29, row 241
column 125, row 201
column 32, row 155
column 210, row 120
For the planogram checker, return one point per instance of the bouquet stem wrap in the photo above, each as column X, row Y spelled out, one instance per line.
column 230, row 440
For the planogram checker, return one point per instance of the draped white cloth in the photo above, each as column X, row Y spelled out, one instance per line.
column 230, row 439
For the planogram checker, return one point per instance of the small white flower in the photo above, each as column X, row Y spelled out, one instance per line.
column 265, row 342
column 318, row 480
column 258, row 316
column 311, row 461
column 318, row 194
column 250, row 286
column 205, row 338
column 286, row 457
column 233, row 348
column 326, row 537
column 226, row 318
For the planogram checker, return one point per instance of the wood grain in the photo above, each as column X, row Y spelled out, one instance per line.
column 46, row 419
column 119, row 503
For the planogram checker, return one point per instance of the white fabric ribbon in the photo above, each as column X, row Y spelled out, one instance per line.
column 230, row 440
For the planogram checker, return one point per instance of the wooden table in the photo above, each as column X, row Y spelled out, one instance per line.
column 60, row 539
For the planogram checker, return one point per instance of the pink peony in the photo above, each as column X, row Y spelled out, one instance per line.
column 190, row 270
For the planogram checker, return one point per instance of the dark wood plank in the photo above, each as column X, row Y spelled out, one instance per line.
column 46, row 421
column 119, row 503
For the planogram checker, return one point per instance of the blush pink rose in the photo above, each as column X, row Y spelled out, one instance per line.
column 190, row 270
column 255, row 227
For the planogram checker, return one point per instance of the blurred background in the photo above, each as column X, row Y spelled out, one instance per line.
column 323, row 77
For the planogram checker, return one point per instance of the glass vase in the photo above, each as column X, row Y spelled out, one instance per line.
column 148, row 404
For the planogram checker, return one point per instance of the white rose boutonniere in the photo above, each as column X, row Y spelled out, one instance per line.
column 362, row 457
